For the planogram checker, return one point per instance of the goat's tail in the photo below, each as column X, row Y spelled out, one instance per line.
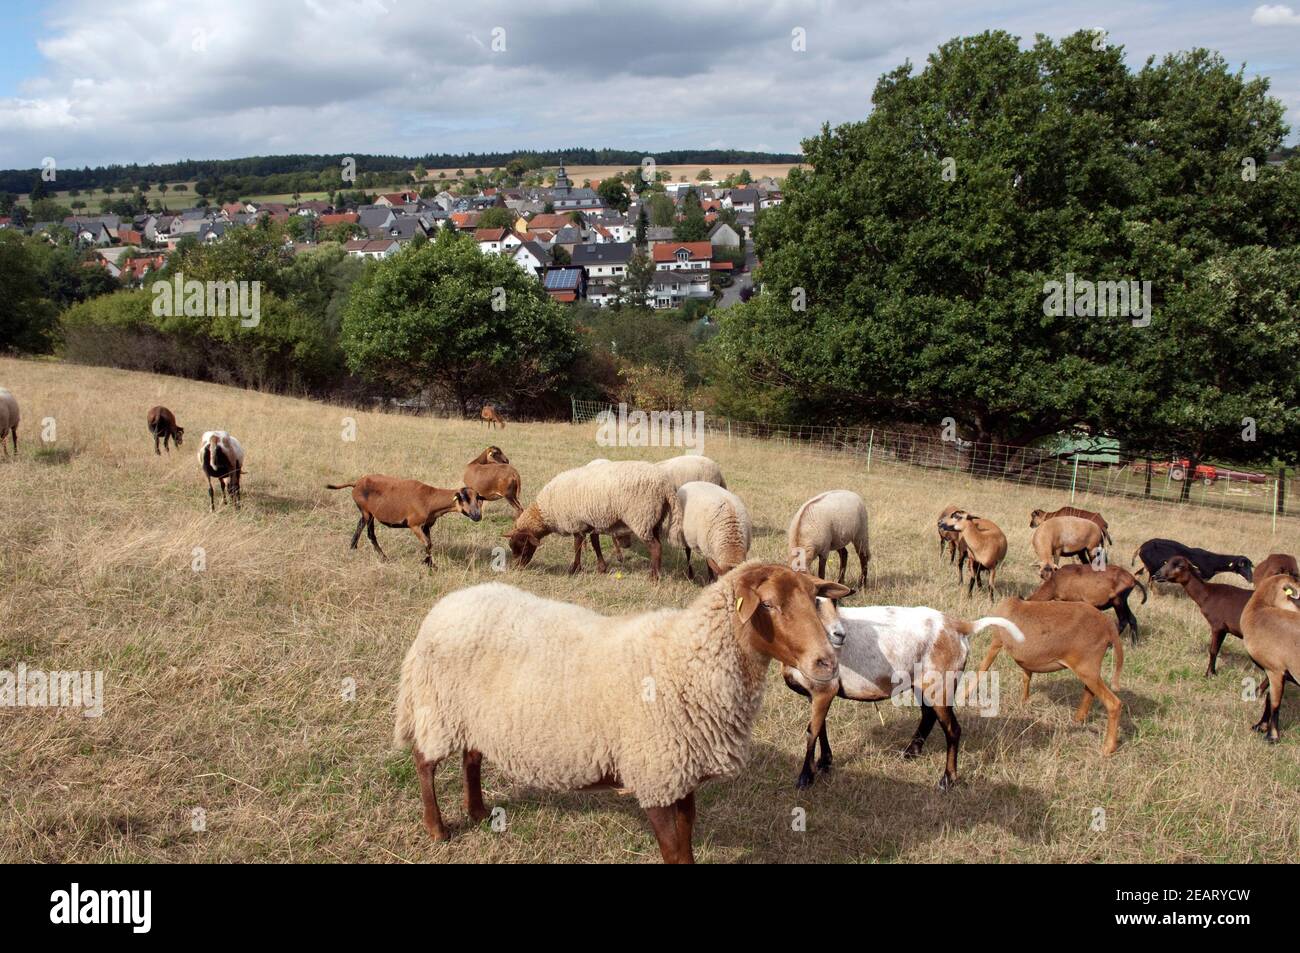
column 1012, row 629
column 1118, row 644
column 1106, row 532
column 1138, row 583
column 1132, row 560
column 340, row 486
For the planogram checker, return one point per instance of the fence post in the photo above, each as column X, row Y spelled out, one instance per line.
column 573, row 407
column 871, row 442
column 1074, row 479
column 1281, row 492
column 728, row 431
column 1277, row 492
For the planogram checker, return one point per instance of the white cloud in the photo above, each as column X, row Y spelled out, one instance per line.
column 1270, row 14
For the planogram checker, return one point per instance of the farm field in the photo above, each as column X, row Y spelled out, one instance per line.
column 225, row 689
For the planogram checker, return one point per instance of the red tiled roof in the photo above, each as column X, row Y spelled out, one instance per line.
column 465, row 220
column 721, row 265
column 489, row 234
column 339, row 218
column 553, row 222
column 667, row 251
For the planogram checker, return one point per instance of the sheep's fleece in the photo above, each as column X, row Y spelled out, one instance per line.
column 690, row 467
column 560, row 697
column 715, row 522
column 605, row 496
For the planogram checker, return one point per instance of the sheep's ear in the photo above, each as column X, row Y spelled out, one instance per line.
column 746, row 604
column 833, row 590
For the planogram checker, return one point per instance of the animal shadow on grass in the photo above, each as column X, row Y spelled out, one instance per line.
column 272, row 503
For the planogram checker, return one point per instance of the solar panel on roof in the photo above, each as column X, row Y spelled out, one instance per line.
column 562, row 280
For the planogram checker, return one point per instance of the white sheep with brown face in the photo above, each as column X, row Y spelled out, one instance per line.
column 562, row 698
column 829, row 522
column 8, row 418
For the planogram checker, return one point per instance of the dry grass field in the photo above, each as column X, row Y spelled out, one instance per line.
column 224, row 687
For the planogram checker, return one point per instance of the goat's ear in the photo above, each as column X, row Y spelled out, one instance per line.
column 833, row 590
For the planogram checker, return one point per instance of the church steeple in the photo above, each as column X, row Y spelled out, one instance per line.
column 561, row 179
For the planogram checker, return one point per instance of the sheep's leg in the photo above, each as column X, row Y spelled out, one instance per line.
column 952, row 734
column 821, row 703
column 225, row 500
column 862, row 564
column 844, row 561
column 424, row 769
column 472, row 763
column 974, row 577
column 578, row 540
column 993, row 581
column 673, row 826
column 690, row 570
column 601, row 565
column 1216, row 642
column 1276, row 686
column 922, row 731
column 714, row 569
column 370, row 531
column 821, row 565
column 1085, row 705
column 656, row 553
column 361, row 524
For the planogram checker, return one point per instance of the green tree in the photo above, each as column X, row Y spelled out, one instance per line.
column 614, row 193
column 467, row 326
column 906, row 273
column 663, row 213
column 27, row 315
column 497, row 217
column 704, row 175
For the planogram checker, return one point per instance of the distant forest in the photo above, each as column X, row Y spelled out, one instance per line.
column 21, row 180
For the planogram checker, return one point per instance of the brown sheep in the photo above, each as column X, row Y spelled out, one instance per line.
column 1061, row 635
column 162, row 424
column 1041, row 516
column 1105, row 588
column 986, row 547
column 1065, row 536
column 491, row 417
column 1271, row 623
column 1276, row 564
column 491, row 476
column 949, row 537
column 406, row 504
column 1220, row 603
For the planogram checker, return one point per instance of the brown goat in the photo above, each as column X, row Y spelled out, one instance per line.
column 491, row 476
column 1065, row 536
column 1220, row 603
column 1276, row 564
column 162, row 424
column 949, row 539
column 1271, row 623
column 407, row 504
column 986, row 547
column 1064, row 635
column 1042, row 516
column 491, row 417
column 1105, row 588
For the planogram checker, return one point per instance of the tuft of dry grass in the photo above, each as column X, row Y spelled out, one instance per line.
column 225, row 689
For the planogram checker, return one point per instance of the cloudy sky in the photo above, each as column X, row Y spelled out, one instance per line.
column 91, row 82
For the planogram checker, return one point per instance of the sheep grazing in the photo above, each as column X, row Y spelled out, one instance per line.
column 606, row 498
column 691, row 468
column 222, row 459
column 406, row 504
column 985, row 547
column 1276, row 564
column 949, row 539
column 1271, row 624
column 1066, row 536
column 491, row 476
column 828, row 523
column 8, row 419
column 1107, row 587
column 715, row 523
column 1220, row 604
column 1059, row 635
column 492, row 417
column 1154, row 553
column 563, row 698
column 1042, row 516
column 881, row 650
column 162, row 424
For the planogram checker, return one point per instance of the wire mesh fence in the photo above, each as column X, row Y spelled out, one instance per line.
column 1079, row 473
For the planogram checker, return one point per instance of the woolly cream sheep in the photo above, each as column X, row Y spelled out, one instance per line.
column 888, row 650
column 716, row 524
column 828, row 523
column 560, row 697
column 692, row 467
column 8, row 418
column 606, row 498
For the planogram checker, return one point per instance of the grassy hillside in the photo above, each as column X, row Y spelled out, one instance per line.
column 224, row 688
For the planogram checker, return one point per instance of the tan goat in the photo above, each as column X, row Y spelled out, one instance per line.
column 1065, row 536
column 986, row 547
column 1270, row 624
column 491, row 476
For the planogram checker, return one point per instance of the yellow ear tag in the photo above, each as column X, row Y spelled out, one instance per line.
column 1289, row 591
column 738, row 602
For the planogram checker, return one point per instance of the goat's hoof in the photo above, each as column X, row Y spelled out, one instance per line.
column 946, row 783
column 805, row 780
column 1259, row 726
column 438, row 833
column 478, row 815
column 912, row 751
column 824, row 766
column 1272, row 739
